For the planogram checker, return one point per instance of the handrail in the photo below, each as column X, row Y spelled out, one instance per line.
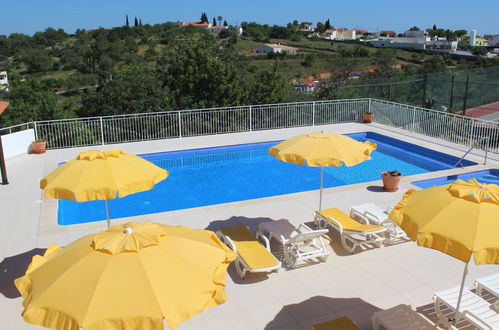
column 487, row 138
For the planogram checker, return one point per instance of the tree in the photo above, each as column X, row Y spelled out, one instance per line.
column 327, row 25
column 320, row 27
column 414, row 28
column 214, row 22
column 480, row 51
column 37, row 60
column 434, row 27
column 126, row 20
column 136, row 23
column 460, row 33
column 201, row 75
column 135, row 88
column 308, row 60
column 268, row 87
column 204, row 17
column 140, row 22
column 225, row 23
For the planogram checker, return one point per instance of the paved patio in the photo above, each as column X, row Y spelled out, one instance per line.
column 346, row 285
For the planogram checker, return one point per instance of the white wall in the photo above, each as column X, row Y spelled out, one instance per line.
column 17, row 143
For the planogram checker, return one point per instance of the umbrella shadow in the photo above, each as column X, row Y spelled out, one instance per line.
column 320, row 309
column 14, row 267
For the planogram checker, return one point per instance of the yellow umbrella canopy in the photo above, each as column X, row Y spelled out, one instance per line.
column 322, row 149
column 127, row 277
column 460, row 219
column 102, row 175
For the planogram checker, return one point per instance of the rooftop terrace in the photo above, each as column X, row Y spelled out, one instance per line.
column 346, row 285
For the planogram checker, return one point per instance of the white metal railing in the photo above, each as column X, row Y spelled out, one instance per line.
column 67, row 133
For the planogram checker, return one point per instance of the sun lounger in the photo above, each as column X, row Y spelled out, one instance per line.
column 489, row 284
column 473, row 308
column 400, row 317
column 299, row 244
column 370, row 213
column 342, row 323
column 252, row 257
column 353, row 233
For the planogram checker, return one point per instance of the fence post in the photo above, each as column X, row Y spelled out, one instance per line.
column 369, row 106
column 465, row 101
column 313, row 113
column 36, row 130
column 471, row 132
column 250, row 119
column 101, row 130
column 414, row 119
column 179, row 125
column 451, row 103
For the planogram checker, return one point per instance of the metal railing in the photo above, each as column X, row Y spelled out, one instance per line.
column 68, row 133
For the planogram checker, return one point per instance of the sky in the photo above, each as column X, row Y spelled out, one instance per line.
column 30, row 16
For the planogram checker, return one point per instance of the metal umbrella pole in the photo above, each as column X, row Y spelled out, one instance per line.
column 107, row 215
column 465, row 272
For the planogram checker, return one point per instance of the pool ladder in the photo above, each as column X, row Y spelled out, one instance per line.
column 473, row 147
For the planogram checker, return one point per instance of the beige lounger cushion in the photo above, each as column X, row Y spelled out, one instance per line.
column 347, row 222
column 254, row 254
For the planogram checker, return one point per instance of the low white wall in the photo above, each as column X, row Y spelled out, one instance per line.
column 17, row 143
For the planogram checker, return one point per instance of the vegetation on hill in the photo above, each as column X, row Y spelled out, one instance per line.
column 163, row 67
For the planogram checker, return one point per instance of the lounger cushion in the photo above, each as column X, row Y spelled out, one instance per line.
column 347, row 222
column 254, row 254
column 342, row 323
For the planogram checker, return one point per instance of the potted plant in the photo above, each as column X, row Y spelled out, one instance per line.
column 39, row 146
column 367, row 117
column 391, row 180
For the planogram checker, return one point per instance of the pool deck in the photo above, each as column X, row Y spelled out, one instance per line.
column 346, row 285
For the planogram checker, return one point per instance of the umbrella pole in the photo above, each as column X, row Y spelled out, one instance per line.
column 322, row 183
column 107, row 215
column 465, row 272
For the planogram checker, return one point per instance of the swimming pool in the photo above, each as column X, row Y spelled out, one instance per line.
column 209, row 176
column 485, row 176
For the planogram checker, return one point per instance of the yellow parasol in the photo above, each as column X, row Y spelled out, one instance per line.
column 101, row 175
column 460, row 219
column 127, row 277
column 322, row 149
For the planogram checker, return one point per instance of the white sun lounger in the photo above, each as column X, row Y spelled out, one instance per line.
column 372, row 214
column 489, row 284
column 400, row 317
column 299, row 244
column 353, row 234
column 473, row 308
column 252, row 257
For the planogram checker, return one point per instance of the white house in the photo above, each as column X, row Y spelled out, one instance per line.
column 305, row 26
column 417, row 43
column 217, row 29
column 339, row 34
column 4, row 81
column 275, row 48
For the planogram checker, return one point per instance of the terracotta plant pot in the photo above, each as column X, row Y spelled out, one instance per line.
column 39, row 146
column 367, row 117
column 390, row 182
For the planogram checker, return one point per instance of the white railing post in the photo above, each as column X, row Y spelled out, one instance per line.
column 250, row 119
column 313, row 113
column 101, row 130
column 36, row 130
column 179, row 125
column 470, row 141
column 414, row 119
column 369, row 106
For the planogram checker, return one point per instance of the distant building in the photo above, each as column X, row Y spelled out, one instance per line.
column 239, row 30
column 217, row 29
column 476, row 41
column 339, row 34
column 275, row 48
column 207, row 26
column 417, row 40
column 494, row 41
column 305, row 26
column 388, row 33
column 4, row 81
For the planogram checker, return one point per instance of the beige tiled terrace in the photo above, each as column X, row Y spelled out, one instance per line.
column 346, row 285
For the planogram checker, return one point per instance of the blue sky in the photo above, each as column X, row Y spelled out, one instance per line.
column 29, row 16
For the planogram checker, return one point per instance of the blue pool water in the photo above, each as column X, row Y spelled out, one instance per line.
column 486, row 176
column 218, row 175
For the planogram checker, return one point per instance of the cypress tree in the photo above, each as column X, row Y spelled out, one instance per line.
column 140, row 21
column 126, row 20
column 225, row 23
column 136, row 23
column 214, row 22
column 328, row 24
